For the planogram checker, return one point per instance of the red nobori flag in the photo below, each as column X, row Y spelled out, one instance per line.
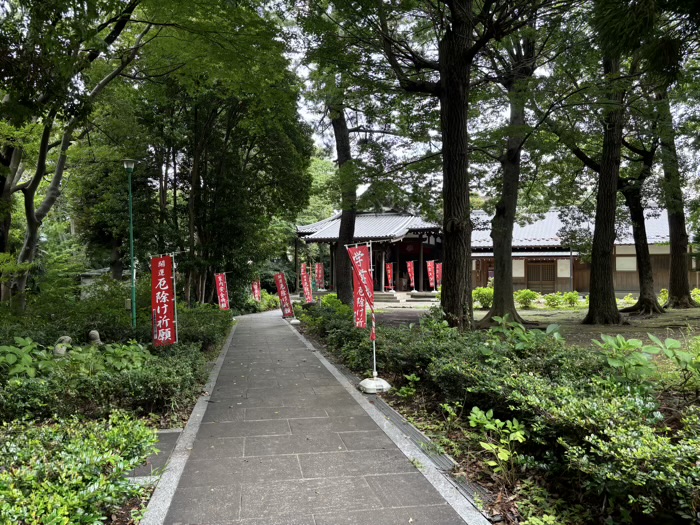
column 359, row 256
column 163, row 301
column 308, row 290
column 222, row 290
column 257, row 294
column 438, row 273
column 411, row 274
column 360, row 303
column 431, row 273
column 283, row 292
column 389, row 276
column 320, row 277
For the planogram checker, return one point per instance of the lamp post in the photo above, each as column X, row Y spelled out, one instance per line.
column 129, row 167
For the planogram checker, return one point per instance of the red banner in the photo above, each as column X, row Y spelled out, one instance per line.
column 303, row 268
column 283, row 292
column 360, row 302
column 438, row 274
column 364, row 287
column 320, row 277
column 308, row 289
column 222, row 290
column 257, row 293
column 163, row 304
column 431, row 273
column 411, row 274
column 389, row 276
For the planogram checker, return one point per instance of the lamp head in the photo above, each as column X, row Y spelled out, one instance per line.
column 129, row 165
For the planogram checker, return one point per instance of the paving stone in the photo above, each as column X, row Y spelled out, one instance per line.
column 403, row 490
column 345, row 409
column 368, row 440
column 243, row 428
column 354, row 463
column 229, row 471
column 252, row 414
column 332, row 424
column 204, row 505
column 223, row 412
column 306, row 496
column 156, row 462
column 217, row 448
column 299, row 444
column 432, row 515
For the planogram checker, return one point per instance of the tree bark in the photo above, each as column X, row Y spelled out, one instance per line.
column 116, row 265
column 647, row 303
column 603, row 306
column 521, row 68
column 455, row 72
column 348, row 186
column 679, row 285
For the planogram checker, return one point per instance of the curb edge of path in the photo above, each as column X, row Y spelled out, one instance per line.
column 162, row 496
column 442, row 483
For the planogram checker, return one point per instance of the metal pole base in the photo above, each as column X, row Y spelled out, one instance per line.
column 374, row 385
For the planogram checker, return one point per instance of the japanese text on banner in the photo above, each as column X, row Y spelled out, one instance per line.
column 411, row 274
column 257, row 293
column 163, row 301
column 308, row 290
column 283, row 293
column 222, row 291
column 320, row 276
column 431, row 273
column 438, row 274
column 389, row 276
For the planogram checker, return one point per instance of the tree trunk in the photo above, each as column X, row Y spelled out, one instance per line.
column 116, row 265
column 603, row 306
column 348, row 185
column 647, row 303
column 455, row 71
column 679, row 286
column 504, row 217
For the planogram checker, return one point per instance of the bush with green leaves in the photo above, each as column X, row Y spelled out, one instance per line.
column 571, row 299
column 526, row 297
column 70, row 471
column 483, row 296
column 554, row 300
column 663, row 296
column 93, row 382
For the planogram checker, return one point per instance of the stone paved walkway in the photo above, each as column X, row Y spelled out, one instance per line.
column 283, row 443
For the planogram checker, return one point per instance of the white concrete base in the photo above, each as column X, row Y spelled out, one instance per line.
column 374, row 385
column 294, row 321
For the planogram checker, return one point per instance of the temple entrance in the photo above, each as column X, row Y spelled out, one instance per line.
column 541, row 276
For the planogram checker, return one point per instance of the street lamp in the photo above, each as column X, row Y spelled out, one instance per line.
column 129, row 167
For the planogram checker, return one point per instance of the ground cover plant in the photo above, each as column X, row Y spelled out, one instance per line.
column 70, row 471
column 608, row 433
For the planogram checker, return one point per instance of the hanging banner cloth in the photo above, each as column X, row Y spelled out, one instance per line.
column 364, row 287
column 389, row 276
column 257, row 292
column 306, row 283
column 163, row 316
column 320, row 276
column 222, row 290
column 438, row 274
column 411, row 274
column 283, row 293
column 431, row 273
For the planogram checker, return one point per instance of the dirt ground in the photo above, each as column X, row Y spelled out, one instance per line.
column 678, row 324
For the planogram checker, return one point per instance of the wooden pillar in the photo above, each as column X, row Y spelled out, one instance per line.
column 333, row 250
column 398, row 265
column 296, row 264
column 420, row 264
column 382, row 276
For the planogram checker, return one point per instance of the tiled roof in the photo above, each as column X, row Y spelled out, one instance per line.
column 368, row 226
column 542, row 232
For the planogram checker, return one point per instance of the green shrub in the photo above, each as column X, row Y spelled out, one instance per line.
column 554, row 300
column 204, row 324
column 71, row 471
column 88, row 383
column 571, row 299
column 663, row 296
column 695, row 294
column 526, row 297
column 269, row 301
column 483, row 296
